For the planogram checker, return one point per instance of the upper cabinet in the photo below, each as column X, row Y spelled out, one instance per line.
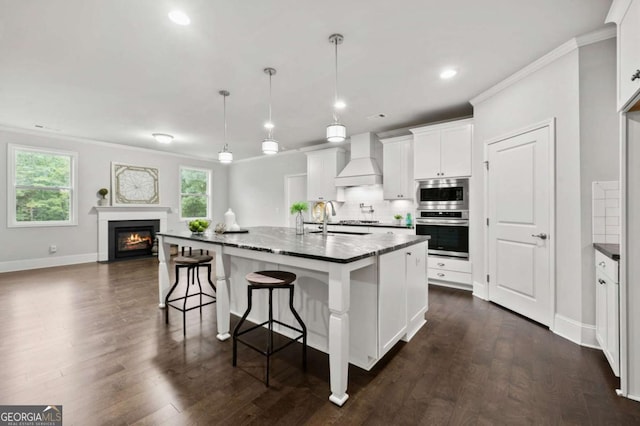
column 626, row 13
column 322, row 168
column 442, row 150
column 397, row 168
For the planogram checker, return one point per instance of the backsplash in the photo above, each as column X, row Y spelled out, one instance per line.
column 606, row 212
column 383, row 210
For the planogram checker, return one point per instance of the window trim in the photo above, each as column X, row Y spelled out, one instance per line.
column 12, row 150
column 208, row 194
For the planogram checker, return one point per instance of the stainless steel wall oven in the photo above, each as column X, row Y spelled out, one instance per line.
column 443, row 213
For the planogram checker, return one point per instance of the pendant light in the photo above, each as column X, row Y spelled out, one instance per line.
column 225, row 156
column 269, row 145
column 336, row 132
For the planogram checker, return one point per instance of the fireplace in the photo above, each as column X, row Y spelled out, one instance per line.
column 131, row 238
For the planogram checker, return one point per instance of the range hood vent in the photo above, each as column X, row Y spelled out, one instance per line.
column 363, row 168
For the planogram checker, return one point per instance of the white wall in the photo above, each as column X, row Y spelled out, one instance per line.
column 80, row 243
column 555, row 91
column 599, row 148
column 256, row 188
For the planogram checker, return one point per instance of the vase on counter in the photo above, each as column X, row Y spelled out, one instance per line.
column 299, row 224
column 229, row 219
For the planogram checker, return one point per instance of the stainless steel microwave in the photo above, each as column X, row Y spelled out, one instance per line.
column 443, row 194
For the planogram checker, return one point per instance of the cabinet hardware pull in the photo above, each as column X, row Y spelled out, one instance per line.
column 440, row 274
column 602, row 264
column 542, row 236
column 440, row 264
column 408, row 253
column 601, row 281
column 635, row 75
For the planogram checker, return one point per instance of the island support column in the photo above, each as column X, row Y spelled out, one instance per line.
column 223, row 271
column 163, row 269
column 339, row 292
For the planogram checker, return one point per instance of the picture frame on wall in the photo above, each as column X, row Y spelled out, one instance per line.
column 133, row 185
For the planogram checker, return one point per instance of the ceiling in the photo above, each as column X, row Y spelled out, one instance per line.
column 120, row 70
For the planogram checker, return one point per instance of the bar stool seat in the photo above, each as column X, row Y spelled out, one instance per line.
column 270, row 280
column 192, row 263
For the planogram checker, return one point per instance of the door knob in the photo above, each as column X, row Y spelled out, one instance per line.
column 542, row 236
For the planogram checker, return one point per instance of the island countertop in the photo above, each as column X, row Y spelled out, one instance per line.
column 280, row 240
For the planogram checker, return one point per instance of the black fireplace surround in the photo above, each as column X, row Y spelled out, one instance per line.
column 131, row 238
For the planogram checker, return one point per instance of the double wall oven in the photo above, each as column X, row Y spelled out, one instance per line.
column 443, row 213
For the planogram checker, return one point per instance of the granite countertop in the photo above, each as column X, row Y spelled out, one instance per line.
column 371, row 225
column 610, row 250
column 333, row 248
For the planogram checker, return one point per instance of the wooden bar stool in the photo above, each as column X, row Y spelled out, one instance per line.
column 192, row 263
column 270, row 280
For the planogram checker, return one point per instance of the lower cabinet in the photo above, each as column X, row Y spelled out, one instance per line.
column 449, row 272
column 607, row 310
column 402, row 295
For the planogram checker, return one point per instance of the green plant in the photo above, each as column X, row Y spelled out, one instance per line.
column 198, row 225
column 300, row 206
column 103, row 192
column 397, row 216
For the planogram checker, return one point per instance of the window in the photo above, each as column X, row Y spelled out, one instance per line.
column 42, row 187
column 195, row 193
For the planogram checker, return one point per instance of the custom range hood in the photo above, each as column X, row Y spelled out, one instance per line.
column 363, row 168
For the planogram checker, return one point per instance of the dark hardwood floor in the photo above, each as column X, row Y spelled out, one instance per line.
column 91, row 337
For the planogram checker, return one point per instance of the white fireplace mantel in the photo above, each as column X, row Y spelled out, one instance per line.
column 106, row 214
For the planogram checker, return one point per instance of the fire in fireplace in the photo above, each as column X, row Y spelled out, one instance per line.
column 131, row 238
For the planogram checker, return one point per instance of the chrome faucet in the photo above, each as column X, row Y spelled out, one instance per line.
column 325, row 216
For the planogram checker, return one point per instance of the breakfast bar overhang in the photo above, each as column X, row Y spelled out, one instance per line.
column 399, row 263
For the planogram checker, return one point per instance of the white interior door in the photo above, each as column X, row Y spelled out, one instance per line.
column 295, row 189
column 519, row 193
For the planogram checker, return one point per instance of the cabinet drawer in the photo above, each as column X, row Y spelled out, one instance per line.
column 607, row 266
column 448, row 264
column 452, row 276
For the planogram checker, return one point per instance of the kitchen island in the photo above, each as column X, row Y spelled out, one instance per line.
column 373, row 284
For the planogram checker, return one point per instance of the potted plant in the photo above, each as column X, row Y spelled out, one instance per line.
column 103, row 193
column 299, row 207
column 398, row 218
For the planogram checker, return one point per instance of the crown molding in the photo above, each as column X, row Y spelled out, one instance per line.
column 560, row 51
column 617, row 11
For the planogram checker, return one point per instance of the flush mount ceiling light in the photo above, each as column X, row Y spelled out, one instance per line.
column 179, row 17
column 162, row 137
column 448, row 73
column 336, row 132
column 269, row 145
column 225, row 156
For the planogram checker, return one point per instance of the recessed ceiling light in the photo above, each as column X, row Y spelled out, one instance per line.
column 377, row 116
column 162, row 137
column 179, row 17
column 448, row 73
column 339, row 104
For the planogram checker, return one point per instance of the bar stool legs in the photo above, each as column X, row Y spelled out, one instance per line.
column 193, row 275
column 270, row 350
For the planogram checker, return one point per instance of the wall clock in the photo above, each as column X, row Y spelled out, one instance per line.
column 133, row 185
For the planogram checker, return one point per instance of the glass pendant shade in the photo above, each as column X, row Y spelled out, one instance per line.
column 269, row 146
column 225, row 157
column 336, row 132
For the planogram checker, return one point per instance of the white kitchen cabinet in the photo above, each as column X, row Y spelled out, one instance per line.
column 448, row 272
column 401, row 306
column 417, row 288
column 627, row 16
column 442, row 150
column 607, row 309
column 322, row 168
column 397, row 169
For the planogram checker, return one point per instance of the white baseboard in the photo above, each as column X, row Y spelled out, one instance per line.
column 577, row 332
column 480, row 291
column 634, row 397
column 47, row 262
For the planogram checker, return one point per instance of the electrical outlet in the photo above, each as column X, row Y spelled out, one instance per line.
column 53, row 248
